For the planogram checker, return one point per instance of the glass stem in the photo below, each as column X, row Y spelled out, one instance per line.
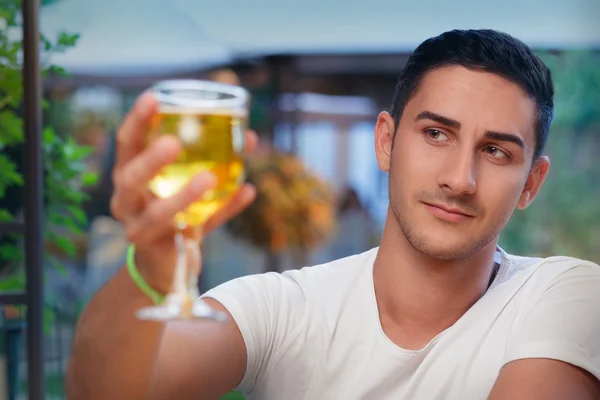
column 187, row 264
column 179, row 278
column 194, row 260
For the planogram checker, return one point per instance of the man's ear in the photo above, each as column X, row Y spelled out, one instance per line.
column 384, row 139
column 536, row 177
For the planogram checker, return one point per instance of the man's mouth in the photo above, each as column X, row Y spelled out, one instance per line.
column 448, row 213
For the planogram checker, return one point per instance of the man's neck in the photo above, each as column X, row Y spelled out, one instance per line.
column 419, row 296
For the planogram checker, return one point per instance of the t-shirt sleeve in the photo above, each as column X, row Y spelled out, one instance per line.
column 563, row 322
column 269, row 309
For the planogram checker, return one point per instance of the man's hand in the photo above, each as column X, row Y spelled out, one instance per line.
column 148, row 220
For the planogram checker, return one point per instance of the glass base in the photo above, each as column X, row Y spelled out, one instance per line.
column 177, row 309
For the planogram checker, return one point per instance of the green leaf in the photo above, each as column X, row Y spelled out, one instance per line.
column 76, row 197
column 75, row 152
column 11, row 128
column 58, row 71
column 78, row 214
column 63, row 221
column 9, row 52
column 64, row 244
column 5, row 215
column 10, row 82
column 49, row 318
column 9, row 11
column 67, row 40
column 89, row 178
column 48, row 135
column 9, row 175
column 13, row 283
column 45, row 42
column 10, row 252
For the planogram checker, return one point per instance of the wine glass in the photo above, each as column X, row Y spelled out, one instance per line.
column 210, row 121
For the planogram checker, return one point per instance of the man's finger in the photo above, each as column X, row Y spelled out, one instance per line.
column 251, row 141
column 141, row 169
column 238, row 203
column 158, row 217
column 130, row 136
column 125, row 204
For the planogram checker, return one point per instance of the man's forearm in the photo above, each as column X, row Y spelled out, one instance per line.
column 114, row 353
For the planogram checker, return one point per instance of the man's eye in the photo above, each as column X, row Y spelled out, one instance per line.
column 496, row 153
column 435, row 135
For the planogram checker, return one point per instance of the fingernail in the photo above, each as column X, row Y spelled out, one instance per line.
column 146, row 103
column 251, row 191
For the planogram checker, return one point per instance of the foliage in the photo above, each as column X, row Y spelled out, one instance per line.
column 565, row 216
column 63, row 159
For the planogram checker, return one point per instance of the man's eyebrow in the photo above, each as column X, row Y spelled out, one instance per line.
column 506, row 137
column 449, row 122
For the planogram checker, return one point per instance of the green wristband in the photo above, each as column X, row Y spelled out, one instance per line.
column 156, row 297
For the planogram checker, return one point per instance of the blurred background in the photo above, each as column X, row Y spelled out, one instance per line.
column 319, row 72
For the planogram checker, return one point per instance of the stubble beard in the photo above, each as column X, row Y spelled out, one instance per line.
column 421, row 244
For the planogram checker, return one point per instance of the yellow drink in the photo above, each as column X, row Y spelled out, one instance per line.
column 212, row 141
column 209, row 119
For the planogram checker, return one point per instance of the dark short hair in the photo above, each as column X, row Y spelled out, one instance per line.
column 483, row 50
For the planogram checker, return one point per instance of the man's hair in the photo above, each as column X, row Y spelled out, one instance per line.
column 482, row 50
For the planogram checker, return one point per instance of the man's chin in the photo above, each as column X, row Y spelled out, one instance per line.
column 446, row 253
column 442, row 249
column 443, row 241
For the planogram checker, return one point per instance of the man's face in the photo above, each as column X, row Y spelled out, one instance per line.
column 461, row 160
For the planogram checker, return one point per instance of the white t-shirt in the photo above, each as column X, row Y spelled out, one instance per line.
column 315, row 333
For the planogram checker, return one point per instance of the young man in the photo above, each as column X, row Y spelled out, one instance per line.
column 437, row 311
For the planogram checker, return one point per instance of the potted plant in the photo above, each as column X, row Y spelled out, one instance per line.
column 294, row 209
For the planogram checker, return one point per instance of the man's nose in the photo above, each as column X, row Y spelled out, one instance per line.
column 458, row 176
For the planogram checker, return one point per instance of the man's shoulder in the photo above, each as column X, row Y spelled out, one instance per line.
column 304, row 282
column 523, row 263
column 336, row 271
column 544, row 272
